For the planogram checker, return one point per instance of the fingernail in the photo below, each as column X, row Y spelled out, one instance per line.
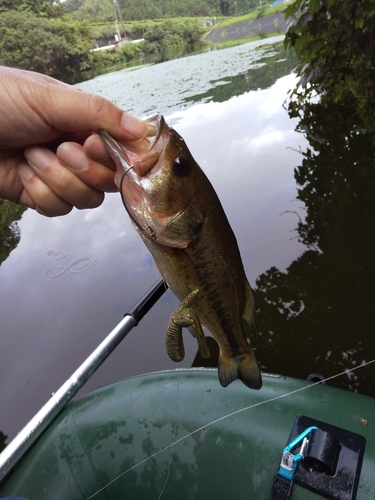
column 133, row 125
column 38, row 158
column 25, row 173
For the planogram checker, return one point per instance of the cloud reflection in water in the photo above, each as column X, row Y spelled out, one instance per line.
column 49, row 326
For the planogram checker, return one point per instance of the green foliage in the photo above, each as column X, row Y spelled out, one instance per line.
column 242, row 7
column 334, row 41
column 95, row 11
column 58, row 48
column 151, row 9
column 126, row 53
column 129, row 51
column 328, row 291
column 335, row 101
column 72, row 5
column 148, row 9
column 134, row 29
column 139, row 9
column 10, row 233
column 159, row 37
column 229, row 21
column 44, row 8
column 171, row 34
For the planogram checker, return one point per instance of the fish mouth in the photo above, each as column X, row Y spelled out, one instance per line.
column 141, row 175
column 142, row 155
column 135, row 163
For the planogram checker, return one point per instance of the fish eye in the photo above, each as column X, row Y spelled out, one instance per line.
column 181, row 167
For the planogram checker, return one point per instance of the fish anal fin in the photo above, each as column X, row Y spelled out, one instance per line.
column 246, row 369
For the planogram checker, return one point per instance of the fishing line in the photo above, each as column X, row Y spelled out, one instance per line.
column 122, row 196
column 174, row 437
column 236, row 412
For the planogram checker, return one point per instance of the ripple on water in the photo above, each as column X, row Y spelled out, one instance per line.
column 78, row 266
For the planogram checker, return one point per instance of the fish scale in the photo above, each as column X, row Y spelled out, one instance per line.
column 178, row 215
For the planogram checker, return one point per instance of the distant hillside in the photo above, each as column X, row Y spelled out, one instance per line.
column 135, row 10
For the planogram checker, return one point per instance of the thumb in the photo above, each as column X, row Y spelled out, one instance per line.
column 72, row 110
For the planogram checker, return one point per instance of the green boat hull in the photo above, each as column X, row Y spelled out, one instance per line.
column 180, row 435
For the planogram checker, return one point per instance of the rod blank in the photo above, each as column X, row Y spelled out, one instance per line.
column 45, row 416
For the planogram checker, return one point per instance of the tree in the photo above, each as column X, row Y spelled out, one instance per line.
column 171, row 34
column 44, row 8
column 150, row 9
column 95, row 11
column 72, row 5
column 57, row 48
column 334, row 41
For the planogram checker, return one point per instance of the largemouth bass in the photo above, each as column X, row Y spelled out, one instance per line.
column 178, row 215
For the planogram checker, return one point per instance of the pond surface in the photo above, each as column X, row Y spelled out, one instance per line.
column 71, row 279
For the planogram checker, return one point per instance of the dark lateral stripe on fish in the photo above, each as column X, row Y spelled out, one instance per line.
column 225, row 325
column 193, row 245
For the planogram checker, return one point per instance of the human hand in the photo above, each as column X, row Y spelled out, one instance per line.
column 49, row 159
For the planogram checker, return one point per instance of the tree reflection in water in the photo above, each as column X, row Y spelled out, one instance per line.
column 10, row 233
column 3, row 439
column 319, row 315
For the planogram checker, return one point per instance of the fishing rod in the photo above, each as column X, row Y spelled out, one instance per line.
column 45, row 416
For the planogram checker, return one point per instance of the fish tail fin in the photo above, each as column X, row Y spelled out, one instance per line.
column 246, row 370
column 249, row 373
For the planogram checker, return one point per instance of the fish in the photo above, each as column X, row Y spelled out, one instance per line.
column 177, row 213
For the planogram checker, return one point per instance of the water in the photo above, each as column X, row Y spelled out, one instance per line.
column 159, row 57
column 70, row 279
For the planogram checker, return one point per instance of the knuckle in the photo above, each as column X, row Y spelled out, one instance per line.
column 98, row 104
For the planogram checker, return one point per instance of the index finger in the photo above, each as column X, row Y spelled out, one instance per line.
column 79, row 111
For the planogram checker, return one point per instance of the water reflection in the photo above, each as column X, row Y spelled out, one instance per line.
column 269, row 68
column 49, row 326
column 10, row 233
column 167, row 87
column 319, row 315
column 78, row 266
column 169, row 54
column 314, row 293
column 3, row 439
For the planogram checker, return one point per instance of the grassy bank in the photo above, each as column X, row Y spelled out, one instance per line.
column 224, row 22
column 240, row 41
column 136, row 29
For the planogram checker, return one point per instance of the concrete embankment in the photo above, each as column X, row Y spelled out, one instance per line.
column 263, row 25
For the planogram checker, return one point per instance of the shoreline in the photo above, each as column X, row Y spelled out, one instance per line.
column 271, row 24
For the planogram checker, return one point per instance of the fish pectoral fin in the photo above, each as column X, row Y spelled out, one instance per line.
column 246, row 369
column 185, row 317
